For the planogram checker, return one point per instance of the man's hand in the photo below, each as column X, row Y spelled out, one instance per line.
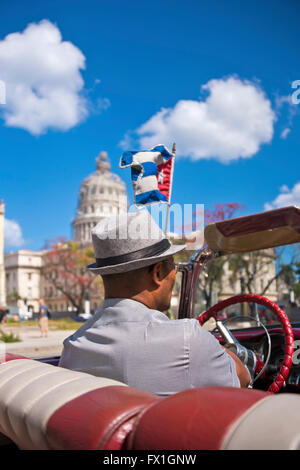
column 241, row 369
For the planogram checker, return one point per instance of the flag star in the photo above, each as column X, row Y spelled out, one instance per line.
column 161, row 176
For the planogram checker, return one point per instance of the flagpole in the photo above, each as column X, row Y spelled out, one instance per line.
column 171, row 185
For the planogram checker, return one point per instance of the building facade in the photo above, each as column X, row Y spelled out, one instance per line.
column 101, row 194
column 23, row 279
column 259, row 271
column 249, row 273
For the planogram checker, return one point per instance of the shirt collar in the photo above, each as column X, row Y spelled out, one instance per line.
column 134, row 309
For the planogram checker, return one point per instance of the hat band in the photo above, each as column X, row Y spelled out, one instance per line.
column 148, row 252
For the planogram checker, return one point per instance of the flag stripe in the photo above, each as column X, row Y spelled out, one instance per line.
column 151, row 172
column 149, row 183
column 165, row 187
column 150, row 197
column 149, row 169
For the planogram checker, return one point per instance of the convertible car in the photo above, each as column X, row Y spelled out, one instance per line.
column 43, row 406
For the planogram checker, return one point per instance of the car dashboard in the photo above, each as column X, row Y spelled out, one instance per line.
column 256, row 339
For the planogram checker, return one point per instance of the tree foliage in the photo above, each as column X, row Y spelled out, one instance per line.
column 253, row 273
column 211, row 277
column 65, row 270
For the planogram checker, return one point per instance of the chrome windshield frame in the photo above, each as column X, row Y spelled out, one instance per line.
column 190, row 273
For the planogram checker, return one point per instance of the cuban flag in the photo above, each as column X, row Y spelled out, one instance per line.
column 151, row 174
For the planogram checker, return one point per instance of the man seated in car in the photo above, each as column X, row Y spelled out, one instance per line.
column 130, row 339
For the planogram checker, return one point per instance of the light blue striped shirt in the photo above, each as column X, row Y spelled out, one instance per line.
column 128, row 342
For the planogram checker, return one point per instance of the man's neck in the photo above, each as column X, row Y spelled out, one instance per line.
column 143, row 298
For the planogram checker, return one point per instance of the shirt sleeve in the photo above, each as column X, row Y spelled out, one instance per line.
column 209, row 364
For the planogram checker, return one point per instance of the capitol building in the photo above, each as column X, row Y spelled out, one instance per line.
column 101, row 194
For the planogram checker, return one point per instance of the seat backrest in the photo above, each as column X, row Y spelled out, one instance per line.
column 219, row 418
column 193, row 419
column 48, row 407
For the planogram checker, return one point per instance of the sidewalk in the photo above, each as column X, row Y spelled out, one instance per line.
column 32, row 345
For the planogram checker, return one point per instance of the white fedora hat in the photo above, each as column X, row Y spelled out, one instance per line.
column 129, row 241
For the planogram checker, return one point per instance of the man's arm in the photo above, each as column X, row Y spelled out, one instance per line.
column 241, row 369
column 210, row 363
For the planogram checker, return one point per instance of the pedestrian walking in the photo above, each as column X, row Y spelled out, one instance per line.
column 3, row 312
column 43, row 318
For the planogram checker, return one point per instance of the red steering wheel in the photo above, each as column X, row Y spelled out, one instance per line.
column 285, row 323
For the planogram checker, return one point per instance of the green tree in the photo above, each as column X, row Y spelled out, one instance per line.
column 210, row 281
column 65, row 269
column 13, row 297
column 211, row 277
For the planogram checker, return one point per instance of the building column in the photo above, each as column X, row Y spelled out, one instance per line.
column 2, row 270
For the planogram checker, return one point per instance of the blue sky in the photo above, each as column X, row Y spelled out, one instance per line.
column 222, row 70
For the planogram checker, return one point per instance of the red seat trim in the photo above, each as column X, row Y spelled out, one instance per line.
column 100, row 419
column 11, row 357
column 193, row 419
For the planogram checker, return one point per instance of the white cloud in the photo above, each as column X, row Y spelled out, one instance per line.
column 285, row 133
column 286, row 197
column 13, row 237
column 284, row 189
column 281, row 100
column 290, row 112
column 43, row 80
column 232, row 122
column 102, row 104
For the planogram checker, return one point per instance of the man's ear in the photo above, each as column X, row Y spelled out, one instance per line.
column 157, row 273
